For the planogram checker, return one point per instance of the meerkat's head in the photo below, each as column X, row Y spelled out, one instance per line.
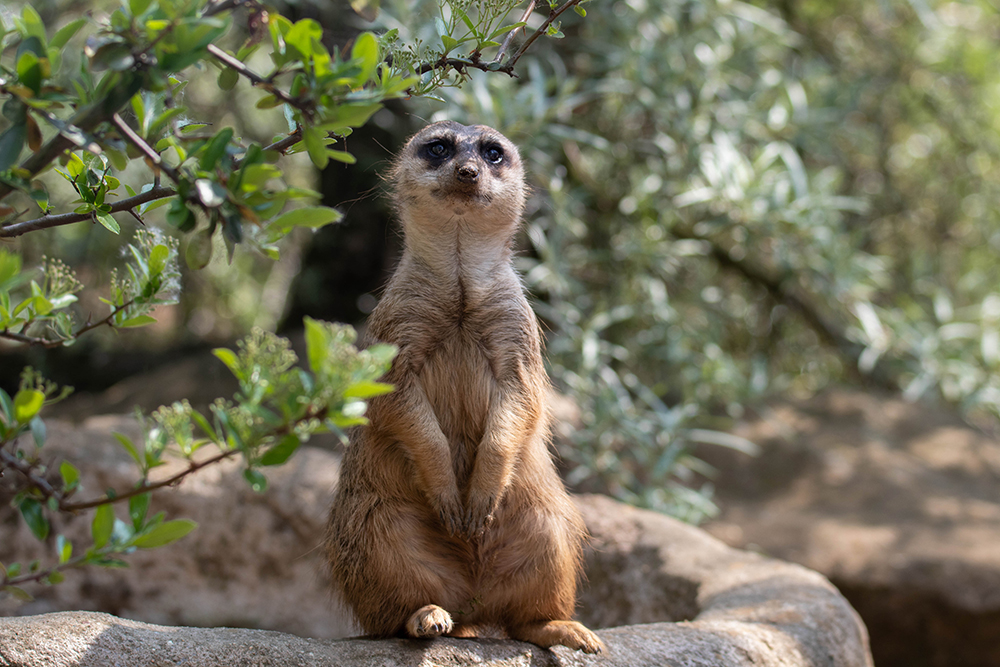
column 449, row 171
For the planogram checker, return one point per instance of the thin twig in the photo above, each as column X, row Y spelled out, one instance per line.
column 46, row 343
column 157, row 192
column 169, row 481
column 510, row 35
column 47, row 221
column 553, row 15
column 507, row 68
column 144, row 148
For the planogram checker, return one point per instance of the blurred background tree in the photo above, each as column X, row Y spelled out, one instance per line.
column 732, row 200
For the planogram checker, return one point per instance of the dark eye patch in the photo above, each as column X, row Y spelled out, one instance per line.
column 437, row 150
column 493, row 153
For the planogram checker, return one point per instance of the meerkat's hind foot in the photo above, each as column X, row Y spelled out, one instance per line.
column 565, row 633
column 429, row 621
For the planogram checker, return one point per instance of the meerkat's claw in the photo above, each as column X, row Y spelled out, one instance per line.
column 429, row 621
column 479, row 515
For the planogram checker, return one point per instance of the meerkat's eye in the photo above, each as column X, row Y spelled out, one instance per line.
column 493, row 154
column 437, row 149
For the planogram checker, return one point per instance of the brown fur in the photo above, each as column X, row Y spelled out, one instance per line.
column 450, row 516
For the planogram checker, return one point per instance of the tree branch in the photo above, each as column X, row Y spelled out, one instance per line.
column 778, row 288
column 45, row 222
column 157, row 192
column 256, row 79
column 495, row 65
column 173, row 480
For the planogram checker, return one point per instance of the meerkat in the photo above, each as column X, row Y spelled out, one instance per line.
column 449, row 517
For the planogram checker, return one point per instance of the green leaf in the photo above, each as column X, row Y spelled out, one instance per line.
column 210, row 193
column 199, row 250
column 125, row 442
column 365, row 49
column 280, row 452
column 18, row 593
column 317, row 343
column 55, row 577
column 158, row 257
column 33, row 25
column 311, row 217
column 367, row 389
column 34, row 516
column 38, row 431
column 65, row 33
column 216, row 149
column 11, row 143
column 101, row 527
column 165, row 533
column 137, row 321
column 64, row 548
column 27, row 404
column 316, row 146
column 109, row 222
column 301, row 35
column 348, row 115
column 257, row 481
column 229, row 358
column 228, row 78
column 341, row 156
column 69, row 473
column 137, row 507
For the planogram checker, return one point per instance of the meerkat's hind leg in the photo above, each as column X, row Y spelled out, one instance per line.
column 429, row 621
column 565, row 633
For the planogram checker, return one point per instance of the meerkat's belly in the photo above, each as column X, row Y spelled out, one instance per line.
column 459, row 383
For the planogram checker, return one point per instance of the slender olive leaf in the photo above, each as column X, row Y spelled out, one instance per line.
column 27, row 404
column 34, row 516
column 449, row 43
column 65, row 33
column 13, row 569
column 55, row 577
column 268, row 102
column 281, row 451
column 102, row 525
column 129, row 447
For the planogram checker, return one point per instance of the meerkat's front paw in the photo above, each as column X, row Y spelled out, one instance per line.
column 450, row 512
column 429, row 621
column 479, row 513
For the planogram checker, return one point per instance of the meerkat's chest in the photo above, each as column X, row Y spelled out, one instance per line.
column 459, row 383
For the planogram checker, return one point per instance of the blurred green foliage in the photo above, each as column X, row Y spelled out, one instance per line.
column 741, row 199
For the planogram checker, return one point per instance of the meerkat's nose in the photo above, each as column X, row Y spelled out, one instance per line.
column 467, row 173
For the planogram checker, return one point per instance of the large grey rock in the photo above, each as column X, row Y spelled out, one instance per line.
column 898, row 503
column 683, row 597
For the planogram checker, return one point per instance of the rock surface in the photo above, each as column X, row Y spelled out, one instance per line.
column 684, row 597
column 897, row 503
